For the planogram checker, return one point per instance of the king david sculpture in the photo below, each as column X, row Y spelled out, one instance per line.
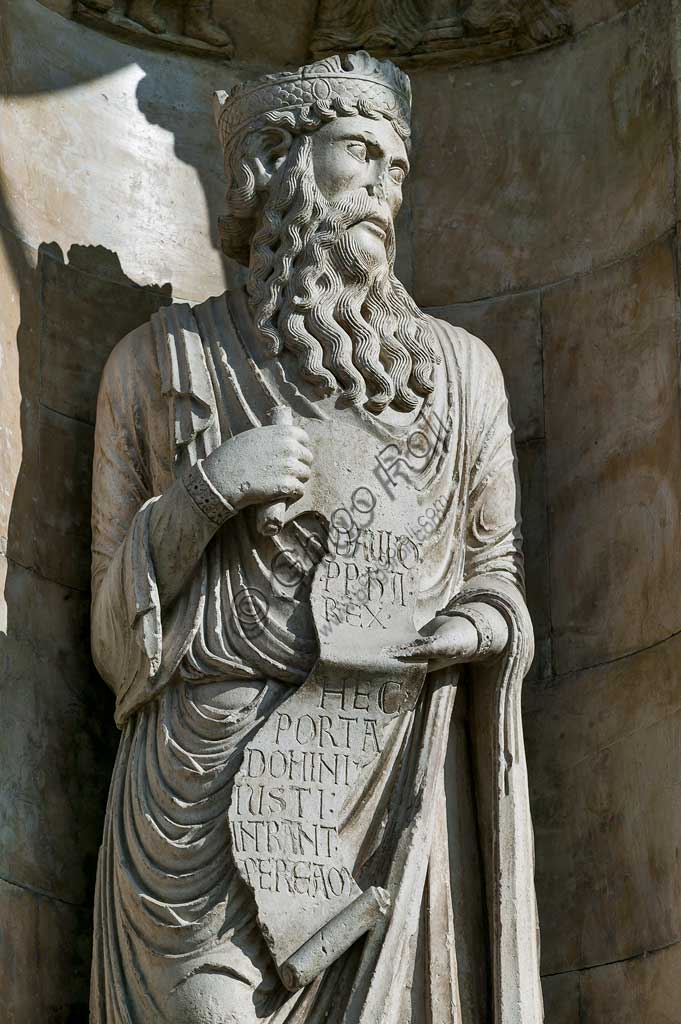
column 308, row 600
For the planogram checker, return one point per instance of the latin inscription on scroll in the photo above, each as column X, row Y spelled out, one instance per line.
column 311, row 762
column 364, row 579
column 289, row 799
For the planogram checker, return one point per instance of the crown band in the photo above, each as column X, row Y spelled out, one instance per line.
column 357, row 80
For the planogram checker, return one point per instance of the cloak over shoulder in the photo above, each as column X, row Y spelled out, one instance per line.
column 171, row 392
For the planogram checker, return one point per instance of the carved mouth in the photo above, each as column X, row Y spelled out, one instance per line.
column 375, row 224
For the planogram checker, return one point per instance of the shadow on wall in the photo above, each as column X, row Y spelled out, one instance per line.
column 73, row 312
column 59, row 740
column 58, row 730
column 173, row 93
column 191, row 143
column 60, row 736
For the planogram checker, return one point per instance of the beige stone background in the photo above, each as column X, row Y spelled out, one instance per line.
column 542, row 215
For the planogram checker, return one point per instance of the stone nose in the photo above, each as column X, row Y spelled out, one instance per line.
column 377, row 189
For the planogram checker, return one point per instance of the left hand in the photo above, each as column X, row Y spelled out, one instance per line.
column 445, row 640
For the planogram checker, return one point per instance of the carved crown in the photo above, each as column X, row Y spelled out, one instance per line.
column 353, row 83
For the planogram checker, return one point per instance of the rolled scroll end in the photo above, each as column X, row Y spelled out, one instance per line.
column 331, row 941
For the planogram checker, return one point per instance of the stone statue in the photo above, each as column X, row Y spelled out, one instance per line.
column 308, row 600
column 197, row 18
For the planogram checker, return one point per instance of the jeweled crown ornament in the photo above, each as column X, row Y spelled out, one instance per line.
column 355, row 83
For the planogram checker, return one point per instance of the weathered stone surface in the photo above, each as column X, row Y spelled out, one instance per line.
column 532, row 472
column 35, row 929
column 59, row 6
column 57, row 744
column 592, row 12
column 602, row 746
column 281, row 35
column 10, row 394
column 566, row 168
column 185, row 26
column 261, row 33
column 643, row 990
column 404, row 267
column 61, row 323
column 266, row 33
column 62, row 518
column 19, row 402
column 511, row 327
column 88, row 304
column 336, row 517
column 456, row 34
column 556, row 162
column 140, row 138
column 613, row 458
column 561, row 999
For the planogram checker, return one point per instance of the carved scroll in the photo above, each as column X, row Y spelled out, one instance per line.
column 324, row 744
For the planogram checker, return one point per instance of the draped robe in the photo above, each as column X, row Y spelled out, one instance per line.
column 445, row 827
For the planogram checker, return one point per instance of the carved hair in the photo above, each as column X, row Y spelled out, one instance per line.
column 350, row 324
column 312, row 289
column 238, row 222
column 301, row 102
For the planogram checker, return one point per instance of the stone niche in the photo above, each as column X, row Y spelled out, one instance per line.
column 540, row 216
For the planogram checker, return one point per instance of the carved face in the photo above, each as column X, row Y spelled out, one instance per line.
column 351, row 154
column 321, row 282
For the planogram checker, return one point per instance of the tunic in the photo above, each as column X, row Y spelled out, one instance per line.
column 448, row 832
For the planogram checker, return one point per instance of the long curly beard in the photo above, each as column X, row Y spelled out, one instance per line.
column 315, row 292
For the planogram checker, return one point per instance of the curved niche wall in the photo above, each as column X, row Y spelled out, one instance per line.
column 541, row 216
column 543, row 219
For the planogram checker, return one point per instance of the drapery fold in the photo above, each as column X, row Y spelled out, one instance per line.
column 164, row 911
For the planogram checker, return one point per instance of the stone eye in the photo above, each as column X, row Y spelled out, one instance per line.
column 398, row 174
column 358, row 150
